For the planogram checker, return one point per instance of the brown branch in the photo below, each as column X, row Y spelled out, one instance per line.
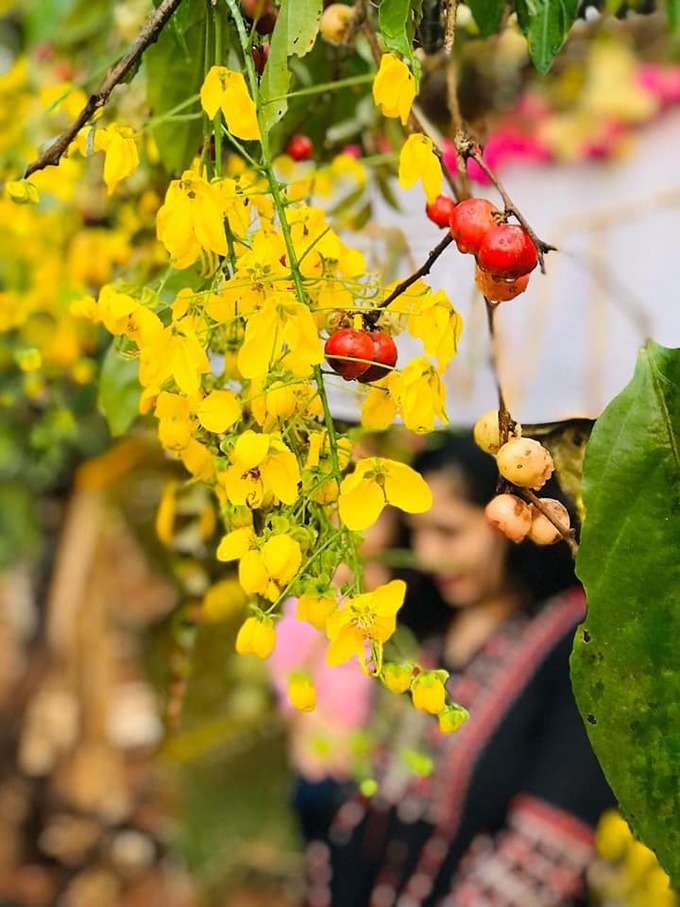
column 452, row 91
column 506, row 424
column 466, row 148
column 566, row 533
column 148, row 35
column 372, row 317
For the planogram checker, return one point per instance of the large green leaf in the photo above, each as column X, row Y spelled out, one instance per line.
column 175, row 67
column 546, row 24
column 294, row 34
column 625, row 663
column 393, row 18
column 487, row 14
column 673, row 14
column 118, row 391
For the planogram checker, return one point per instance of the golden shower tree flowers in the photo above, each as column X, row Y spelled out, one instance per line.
column 364, row 622
column 394, row 88
column 191, row 219
column 418, row 161
column 226, row 90
column 451, row 718
column 218, row 411
column 431, row 317
column 264, row 568
column 261, row 468
column 281, row 321
column 375, row 482
column 315, row 609
column 121, row 157
column 256, row 636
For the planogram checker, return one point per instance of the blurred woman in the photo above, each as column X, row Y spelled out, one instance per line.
column 505, row 817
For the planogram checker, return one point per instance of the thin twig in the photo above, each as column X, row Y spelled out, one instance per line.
column 466, row 148
column 566, row 533
column 372, row 317
column 506, row 424
column 148, row 35
column 452, row 91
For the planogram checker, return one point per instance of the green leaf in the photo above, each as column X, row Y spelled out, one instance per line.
column 545, row 24
column 119, row 391
column 624, row 665
column 296, row 27
column 673, row 14
column 393, row 17
column 488, row 15
column 174, row 67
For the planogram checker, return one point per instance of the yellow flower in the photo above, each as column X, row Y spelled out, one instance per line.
column 261, row 465
column 418, row 161
column 433, row 319
column 428, row 691
column 223, row 88
column 198, row 460
column 301, row 691
column 22, row 192
column 266, row 570
column 315, row 609
column 256, row 637
column 367, row 618
column 451, row 718
column 381, row 403
column 281, row 321
column 121, row 157
column 222, row 600
column 219, row 411
column 394, row 88
column 190, row 219
column 422, row 396
column 375, row 482
column 175, row 424
column 397, row 677
column 282, row 400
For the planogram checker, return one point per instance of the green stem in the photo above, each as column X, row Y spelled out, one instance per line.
column 324, row 86
column 217, row 122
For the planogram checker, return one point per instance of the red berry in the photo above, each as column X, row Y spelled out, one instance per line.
column 353, row 344
column 507, row 251
column 385, row 351
column 470, row 221
column 300, row 147
column 440, row 210
column 263, row 13
column 498, row 289
column 260, row 56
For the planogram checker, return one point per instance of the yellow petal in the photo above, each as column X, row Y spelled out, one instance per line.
column 281, row 475
column 301, row 691
column 235, row 544
column 348, row 642
column 238, row 108
column 250, row 450
column 386, row 600
column 165, row 515
column 315, row 609
column 418, row 161
column 219, row 410
column 361, row 505
column 212, row 90
column 282, row 557
column 252, row 573
column 405, row 488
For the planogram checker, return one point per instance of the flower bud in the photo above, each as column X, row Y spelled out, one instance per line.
column 301, row 691
column 510, row 515
column 315, row 609
column 525, row 462
column 542, row 531
column 428, row 691
column 256, row 637
column 451, row 718
column 397, row 677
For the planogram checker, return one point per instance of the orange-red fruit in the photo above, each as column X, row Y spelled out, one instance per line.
column 510, row 515
column 498, row 289
column 264, row 14
column 507, row 252
column 348, row 342
column 440, row 210
column 470, row 221
column 300, row 147
column 542, row 531
column 385, row 351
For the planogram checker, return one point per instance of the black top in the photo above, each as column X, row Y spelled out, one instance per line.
column 506, row 817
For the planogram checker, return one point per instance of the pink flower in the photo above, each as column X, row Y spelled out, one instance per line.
column 661, row 81
column 353, row 151
column 506, row 144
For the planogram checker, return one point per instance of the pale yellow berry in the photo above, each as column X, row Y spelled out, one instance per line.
column 335, row 23
column 525, row 462
column 486, row 432
column 542, row 531
column 510, row 515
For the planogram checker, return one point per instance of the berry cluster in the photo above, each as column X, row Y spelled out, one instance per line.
column 526, row 464
column 505, row 253
column 361, row 355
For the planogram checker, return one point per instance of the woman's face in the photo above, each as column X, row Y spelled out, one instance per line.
column 455, row 544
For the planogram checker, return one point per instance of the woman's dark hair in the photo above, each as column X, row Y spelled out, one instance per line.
column 539, row 572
